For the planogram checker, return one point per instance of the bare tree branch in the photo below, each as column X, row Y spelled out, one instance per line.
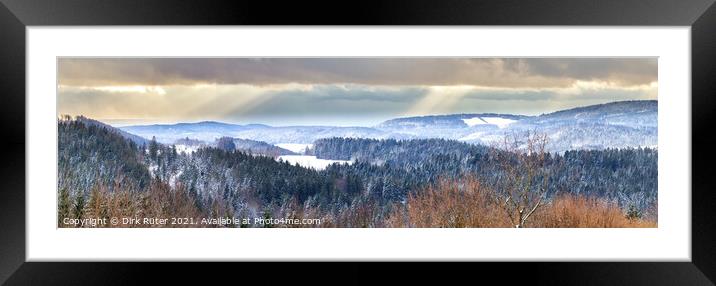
column 523, row 161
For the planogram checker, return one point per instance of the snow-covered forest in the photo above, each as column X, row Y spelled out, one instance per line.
column 594, row 166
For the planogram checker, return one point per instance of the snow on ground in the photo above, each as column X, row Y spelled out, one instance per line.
column 153, row 169
column 186, row 149
column 173, row 178
column 309, row 161
column 499, row 121
column 473, row 136
column 474, row 121
column 556, row 135
column 294, row 147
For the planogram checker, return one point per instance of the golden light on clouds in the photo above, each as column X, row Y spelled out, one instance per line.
column 248, row 90
column 119, row 88
column 439, row 99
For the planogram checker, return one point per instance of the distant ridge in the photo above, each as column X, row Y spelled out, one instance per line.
column 139, row 140
column 620, row 124
column 612, row 107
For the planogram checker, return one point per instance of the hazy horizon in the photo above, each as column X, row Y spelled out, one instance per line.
column 118, row 122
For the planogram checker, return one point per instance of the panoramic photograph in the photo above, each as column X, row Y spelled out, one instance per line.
column 357, row 142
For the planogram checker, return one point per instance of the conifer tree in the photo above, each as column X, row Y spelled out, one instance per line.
column 633, row 213
column 97, row 204
column 153, row 148
column 78, row 210
column 63, row 205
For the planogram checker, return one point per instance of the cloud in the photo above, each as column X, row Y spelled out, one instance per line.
column 355, row 93
column 579, row 90
column 326, row 104
column 506, row 95
column 489, row 72
column 617, row 70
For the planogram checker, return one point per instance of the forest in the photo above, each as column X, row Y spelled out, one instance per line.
column 389, row 182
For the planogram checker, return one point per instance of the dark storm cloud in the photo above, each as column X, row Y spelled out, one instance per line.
column 512, row 73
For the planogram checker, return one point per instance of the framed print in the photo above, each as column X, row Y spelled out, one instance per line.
column 560, row 143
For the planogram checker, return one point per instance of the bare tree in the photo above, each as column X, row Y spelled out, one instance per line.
column 524, row 175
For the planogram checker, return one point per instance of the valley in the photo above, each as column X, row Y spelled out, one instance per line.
column 603, row 156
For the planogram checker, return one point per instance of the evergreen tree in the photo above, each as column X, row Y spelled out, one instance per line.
column 267, row 218
column 153, row 148
column 97, row 204
column 226, row 144
column 633, row 213
column 78, row 209
column 63, row 205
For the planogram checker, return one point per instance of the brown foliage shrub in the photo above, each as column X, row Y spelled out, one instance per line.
column 466, row 203
column 447, row 203
column 159, row 201
column 463, row 203
column 570, row 211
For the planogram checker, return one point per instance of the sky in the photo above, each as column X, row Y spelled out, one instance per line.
column 340, row 91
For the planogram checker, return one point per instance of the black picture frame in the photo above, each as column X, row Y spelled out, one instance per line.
column 16, row 15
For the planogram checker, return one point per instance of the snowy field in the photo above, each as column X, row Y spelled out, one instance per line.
column 500, row 122
column 309, row 161
column 294, row 147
